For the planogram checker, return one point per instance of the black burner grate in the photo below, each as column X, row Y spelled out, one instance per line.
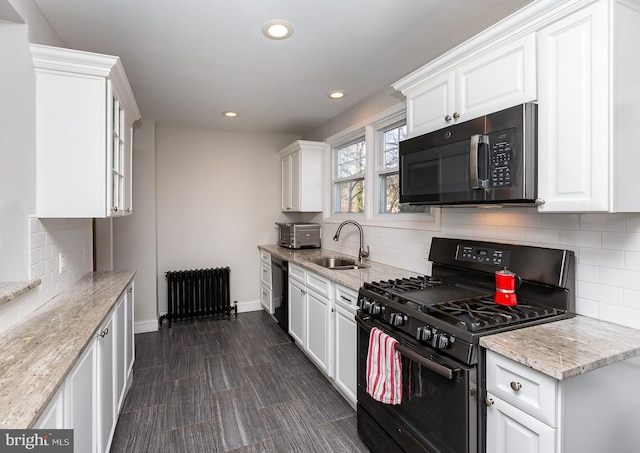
column 478, row 314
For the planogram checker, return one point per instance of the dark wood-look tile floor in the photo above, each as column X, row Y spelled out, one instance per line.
column 236, row 385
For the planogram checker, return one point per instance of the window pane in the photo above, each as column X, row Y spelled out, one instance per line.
column 350, row 196
column 351, row 159
column 391, row 139
column 391, row 194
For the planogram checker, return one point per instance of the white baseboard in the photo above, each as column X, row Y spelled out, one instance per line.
column 144, row 327
column 252, row 305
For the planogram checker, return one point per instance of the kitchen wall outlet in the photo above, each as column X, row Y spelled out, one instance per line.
column 60, row 263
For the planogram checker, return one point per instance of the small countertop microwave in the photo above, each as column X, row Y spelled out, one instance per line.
column 484, row 161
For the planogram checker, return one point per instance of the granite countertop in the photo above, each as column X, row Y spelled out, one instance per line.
column 567, row 348
column 37, row 354
column 11, row 290
column 351, row 278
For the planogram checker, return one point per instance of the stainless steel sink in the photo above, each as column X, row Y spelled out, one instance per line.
column 339, row 263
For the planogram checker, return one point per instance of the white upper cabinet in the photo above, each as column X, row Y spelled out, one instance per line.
column 492, row 79
column 85, row 110
column 302, row 176
column 589, row 109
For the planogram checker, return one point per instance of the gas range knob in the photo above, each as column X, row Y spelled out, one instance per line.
column 374, row 308
column 423, row 333
column 440, row 341
column 398, row 319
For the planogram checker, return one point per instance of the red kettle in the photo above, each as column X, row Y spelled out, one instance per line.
column 506, row 284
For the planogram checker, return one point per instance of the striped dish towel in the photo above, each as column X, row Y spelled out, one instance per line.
column 384, row 368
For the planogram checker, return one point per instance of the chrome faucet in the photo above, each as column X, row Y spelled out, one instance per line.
column 361, row 251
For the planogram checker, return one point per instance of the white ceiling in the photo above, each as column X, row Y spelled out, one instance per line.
column 189, row 61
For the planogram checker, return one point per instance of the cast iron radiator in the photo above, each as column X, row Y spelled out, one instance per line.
column 199, row 293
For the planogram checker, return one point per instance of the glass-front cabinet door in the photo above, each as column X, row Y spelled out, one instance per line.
column 119, row 161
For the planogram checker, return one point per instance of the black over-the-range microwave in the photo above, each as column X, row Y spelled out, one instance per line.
column 487, row 160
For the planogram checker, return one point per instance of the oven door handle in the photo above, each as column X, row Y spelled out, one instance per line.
column 436, row 367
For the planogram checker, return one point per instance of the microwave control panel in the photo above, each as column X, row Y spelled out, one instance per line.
column 501, row 155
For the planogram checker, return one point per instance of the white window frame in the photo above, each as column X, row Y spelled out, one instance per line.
column 354, row 137
column 372, row 128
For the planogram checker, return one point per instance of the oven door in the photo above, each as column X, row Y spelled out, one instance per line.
column 439, row 409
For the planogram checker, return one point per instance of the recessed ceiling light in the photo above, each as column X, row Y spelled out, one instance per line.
column 277, row 29
column 230, row 114
column 337, row 94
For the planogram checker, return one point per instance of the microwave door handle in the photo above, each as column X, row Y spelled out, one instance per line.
column 473, row 161
column 474, row 152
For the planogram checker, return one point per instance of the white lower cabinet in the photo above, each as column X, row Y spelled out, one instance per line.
column 310, row 308
column 529, row 411
column 345, row 343
column 81, row 401
column 318, row 330
column 297, row 310
column 53, row 415
column 92, row 395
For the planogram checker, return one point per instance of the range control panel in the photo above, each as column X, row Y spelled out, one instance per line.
column 483, row 255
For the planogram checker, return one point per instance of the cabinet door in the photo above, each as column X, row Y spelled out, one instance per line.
column 127, row 193
column 120, row 358
column 286, row 183
column 496, row 79
column 573, row 112
column 318, row 322
column 52, row 418
column 106, row 384
column 297, row 311
column 294, row 163
column 510, row 430
column 346, row 353
column 430, row 106
column 266, row 299
column 80, row 411
column 129, row 329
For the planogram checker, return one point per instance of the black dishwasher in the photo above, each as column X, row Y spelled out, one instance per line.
column 280, row 292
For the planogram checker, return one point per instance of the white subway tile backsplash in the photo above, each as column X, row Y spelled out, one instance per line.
column 602, row 257
column 632, row 261
column 587, row 273
column 540, row 236
column 631, row 299
column 619, row 315
column 620, row 278
column 602, row 222
column 576, row 238
column 607, row 248
column 587, row 307
column 632, row 223
column 561, row 221
column 621, row 241
column 600, row 293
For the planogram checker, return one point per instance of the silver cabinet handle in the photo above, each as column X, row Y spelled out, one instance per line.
column 130, row 290
column 104, row 332
column 516, row 386
column 346, row 299
column 456, row 115
column 488, row 401
column 447, row 118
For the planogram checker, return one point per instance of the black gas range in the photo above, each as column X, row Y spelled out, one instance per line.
column 437, row 321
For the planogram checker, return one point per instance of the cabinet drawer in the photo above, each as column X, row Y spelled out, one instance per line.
column 319, row 284
column 265, row 275
column 346, row 298
column 527, row 389
column 297, row 273
column 265, row 299
column 265, row 257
